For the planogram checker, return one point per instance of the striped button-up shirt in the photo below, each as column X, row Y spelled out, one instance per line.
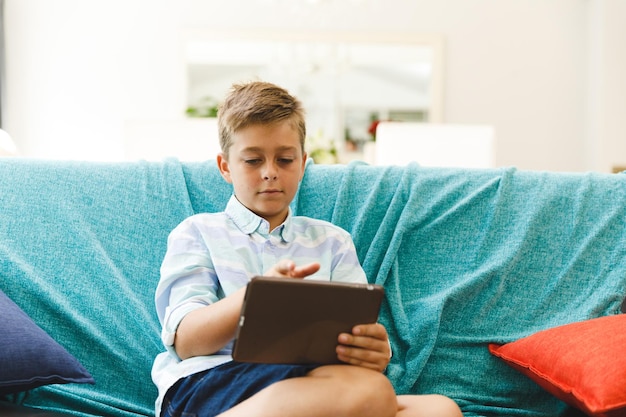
column 211, row 255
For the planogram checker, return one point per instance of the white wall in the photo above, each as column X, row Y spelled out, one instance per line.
column 605, row 145
column 78, row 70
column 63, row 88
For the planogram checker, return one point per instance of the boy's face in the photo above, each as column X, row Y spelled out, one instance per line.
column 265, row 165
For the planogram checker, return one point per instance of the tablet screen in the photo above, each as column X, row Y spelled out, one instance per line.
column 286, row 320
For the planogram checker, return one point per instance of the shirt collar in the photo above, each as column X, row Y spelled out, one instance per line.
column 249, row 223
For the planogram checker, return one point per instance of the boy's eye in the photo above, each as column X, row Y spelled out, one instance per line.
column 252, row 161
column 285, row 160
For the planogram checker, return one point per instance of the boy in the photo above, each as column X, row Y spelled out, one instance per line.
column 210, row 259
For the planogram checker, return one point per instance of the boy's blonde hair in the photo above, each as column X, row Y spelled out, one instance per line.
column 258, row 102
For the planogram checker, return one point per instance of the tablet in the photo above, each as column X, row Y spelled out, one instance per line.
column 295, row 321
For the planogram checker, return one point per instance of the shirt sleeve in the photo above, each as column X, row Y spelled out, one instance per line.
column 188, row 280
column 345, row 264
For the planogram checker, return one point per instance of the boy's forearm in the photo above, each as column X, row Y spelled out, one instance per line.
column 208, row 329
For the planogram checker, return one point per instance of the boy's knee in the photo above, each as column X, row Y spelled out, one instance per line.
column 431, row 405
column 364, row 392
column 373, row 396
column 448, row 407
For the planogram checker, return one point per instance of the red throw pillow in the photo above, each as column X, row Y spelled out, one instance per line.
column 583, row 363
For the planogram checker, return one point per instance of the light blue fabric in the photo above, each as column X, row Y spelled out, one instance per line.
column 80, row 248
column 467, row 257
column 473, row 257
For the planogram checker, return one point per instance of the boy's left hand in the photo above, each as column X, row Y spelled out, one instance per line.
column 367, row 346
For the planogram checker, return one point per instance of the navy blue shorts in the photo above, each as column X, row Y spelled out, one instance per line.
column 216, row 390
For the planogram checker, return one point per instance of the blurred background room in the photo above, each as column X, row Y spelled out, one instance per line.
column 534, row 84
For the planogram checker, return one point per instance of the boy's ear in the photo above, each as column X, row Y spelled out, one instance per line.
column 222, row 165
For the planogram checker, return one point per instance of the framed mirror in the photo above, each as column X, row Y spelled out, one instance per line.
column 348, row 82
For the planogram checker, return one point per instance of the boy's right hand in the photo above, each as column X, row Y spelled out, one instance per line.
column 288, row 269
column 206, row 330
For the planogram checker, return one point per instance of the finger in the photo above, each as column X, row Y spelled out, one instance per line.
column 362, row 357
column 282, row 268
column 285, row 267
column 377, row 342
column 366, row 343
column 373, row 366
column 375, row 330
column 359, row 354
column 305, row 270
column 369, row 344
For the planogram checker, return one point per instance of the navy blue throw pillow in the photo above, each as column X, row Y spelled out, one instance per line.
column 29, row 357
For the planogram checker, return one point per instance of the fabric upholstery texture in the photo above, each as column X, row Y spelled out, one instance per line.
column 467, row 258
column 8, row 409
column 80, row 249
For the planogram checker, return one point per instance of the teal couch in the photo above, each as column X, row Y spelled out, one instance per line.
column 467, row 258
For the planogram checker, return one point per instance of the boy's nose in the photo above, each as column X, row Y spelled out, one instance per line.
column 270, row 172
